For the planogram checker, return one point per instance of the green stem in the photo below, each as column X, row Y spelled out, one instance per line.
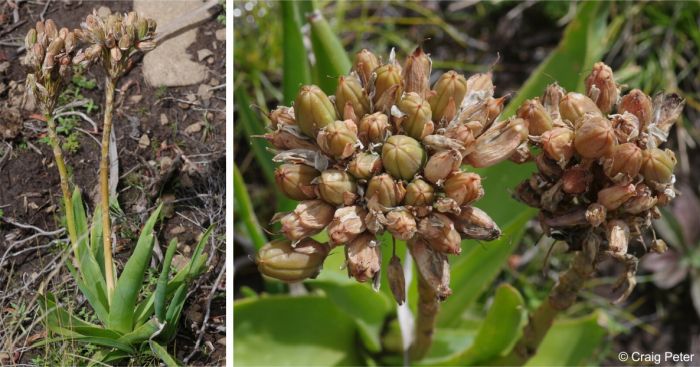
column 246, row 209
column 428, row 308
column 63, row 174
column 104, row 187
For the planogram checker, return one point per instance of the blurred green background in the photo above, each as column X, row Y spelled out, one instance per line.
column 333, row 320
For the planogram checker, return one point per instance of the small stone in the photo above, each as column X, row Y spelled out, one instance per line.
column 135, row 99
column 204, row 92
column 194, row 128
column 163, row 119
column 203, row 54
column 144, row 141
column 220, row 34
column 179, row 262
column 177, row 230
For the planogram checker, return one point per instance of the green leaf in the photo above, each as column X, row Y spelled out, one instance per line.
column 500, row 330
column 571, row 342
column 173, row 315
column 448, row 344
column 162, row 286
column 581, row 46
column 294, row 331
column 142, row 333
column 252, row 126
column 295, row 63
column 477, row 267
column 96, row 240
column 94, row 340
column 58, row 318
column 121, row 313
column 95, row 295
column 102, row 357
column 332, row 60
column 368, row 308
column 162, row 353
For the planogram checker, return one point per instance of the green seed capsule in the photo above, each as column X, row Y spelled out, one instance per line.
column 417, row 123
column 295, row 181
column 658, row 165
column 365, row 63
column 403, row 156
column 338, row 139
column 385, row 190
column 388, row 87
column 313, row 110
column 337, row 187
column 279, row 260
column 419, row 193
column 351, row 101
column 448, row 94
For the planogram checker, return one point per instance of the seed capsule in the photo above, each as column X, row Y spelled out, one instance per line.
column 558, row 144
column 279, row 260
column 498, row 143
column 594, row 137
column 338, row 139
column 282, row 116
column 538, row 120
column 313, row 110
column 308, row 218
column 373, row 128
column 574, row 106
column 402, row 156
column 464, row 187
column 416, row 72
column 337, row 187
column 596, row 214
column 447, row 97
column 350, row 94
column 397, row 282
column 658, row 165
column 576, row 180
column 364, row 257
column 642, row 201
column 419, row 193
column 639, row 104
column 475, row 224
column 624, row 162
column 417, row 122
column 388, row 86
column 432, row 265
column 30, row 39
column 364, row 65
column 601, row 87
column 385, row 190
column 365, row 165
column 626, row 127
column 464, row 135
column 618, row 235
column 401, row 224
column 441, row 164
column 439, row 230
column 613, row 197
column 295, row 181
column 348, row 223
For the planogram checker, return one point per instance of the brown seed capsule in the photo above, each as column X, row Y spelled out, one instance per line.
column 397, row 282
column 401, row 223
column 475, row 224
column 349, row 93
column 596, row 214
column 308, row 218
column 417, row 121
column 365, row 165
column 388, row 86
column 658, row 246
column 594, row 137
column 614, row 196
column 498, row 143
column 280, row 260
column 337, row 187
column 387, row 192
column 439, row 230
column 432, row 265
column 494, row 107
column 442, row 164
column 364, row 257
column 601, row 87
column 639, row 104
column 338, row 139
column 576, row 180
column 364, row 65
column 667, row 110
column 624, row 163
column 313, row 110
column 464, row 187
column 348, row 223
column 373, row 128
column 642, row 201
column 538, row 119
column 618, row 235
column 574, row 106
column 419, row 193
column 658, row 165
column 281, row 116
column 447, row 96
column 558, row 144
column 416, row 72
column 480, row 85
column 551, row 99
column 295, row 181
column 402, row 156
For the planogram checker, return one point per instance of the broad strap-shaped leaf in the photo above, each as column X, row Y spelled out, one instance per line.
column 142, row 333
column 162, row 286
column 172, row 316
column 332, row 60
column 96, row 241
column 162, row 353
column 102, row 357
column 245, row 209
column 58, row 318
column 121, row 313
column 94, row 295
column 295, row 63
column 95, row 340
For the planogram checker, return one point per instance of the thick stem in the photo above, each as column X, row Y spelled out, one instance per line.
column 63, row 174
column 104, row 187
column 428, row 307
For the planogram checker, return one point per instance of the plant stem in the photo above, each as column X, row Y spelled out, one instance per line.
column 104, row 187
column 63, row 174
column 428, row 307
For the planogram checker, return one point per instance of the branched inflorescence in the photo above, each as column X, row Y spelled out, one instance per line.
column 386, row 153
column 601, row 173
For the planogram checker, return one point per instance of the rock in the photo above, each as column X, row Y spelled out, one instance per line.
column 204, row 92
column 220, row 34
column 163, row 119
column 144, row 141
column 135, row 99
column 10, row 123
column 204, row 53
column 177, row 230
column 194, row 128
column 181, row 70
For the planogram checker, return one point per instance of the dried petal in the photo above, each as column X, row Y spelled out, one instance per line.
column 308, row 218
column 432, row 265
column 348, row 223
column 401, row 223
column 439, row 230
column 498, row 143
column 416, row 72
column 364, row 257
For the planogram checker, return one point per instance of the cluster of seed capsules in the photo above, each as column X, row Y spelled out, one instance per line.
column 601, row 174
column 386, row 153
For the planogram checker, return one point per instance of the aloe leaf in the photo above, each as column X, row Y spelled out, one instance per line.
column 58, row 318
column 252, row 126
column 162, row 353
column 571, row 342
column 96, row 240
column 294, row 59
column 583, row 43
column 162, row 286
column 95, row 340
column 121, row 313
column 245, row 209
column 141, row 333
column 98, row 304
column 173, row 314
column 102, row 357
column 332, row 60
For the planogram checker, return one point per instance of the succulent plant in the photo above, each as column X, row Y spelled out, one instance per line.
column 385, row 153
column 602, row 175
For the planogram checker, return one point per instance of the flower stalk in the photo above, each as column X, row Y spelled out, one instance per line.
column 104, row 186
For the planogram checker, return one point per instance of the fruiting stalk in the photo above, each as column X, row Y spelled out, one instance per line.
column 428, row 308
column 104, row 186
column 63, row 174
